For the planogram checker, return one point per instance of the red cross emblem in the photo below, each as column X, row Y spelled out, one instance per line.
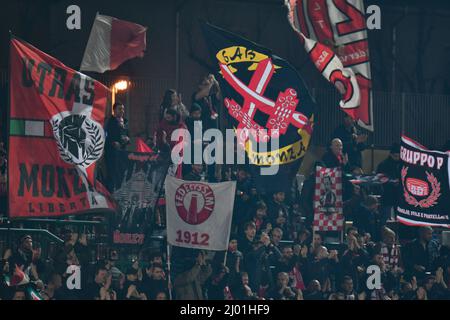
column 281, row 112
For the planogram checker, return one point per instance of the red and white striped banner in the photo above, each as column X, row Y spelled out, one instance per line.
column 328, row 206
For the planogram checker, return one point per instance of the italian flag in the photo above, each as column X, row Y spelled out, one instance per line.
column 112, row 42
column 31, row 128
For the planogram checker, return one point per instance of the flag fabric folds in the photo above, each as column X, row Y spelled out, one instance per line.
column 334, row 35
column 199, row 213
column 56, row 136
column 112, row 42
column 425, row 186
column 265, row 99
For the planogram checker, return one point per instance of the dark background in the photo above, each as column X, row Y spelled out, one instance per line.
column 410, row 76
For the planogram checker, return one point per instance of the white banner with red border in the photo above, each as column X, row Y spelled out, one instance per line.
column 199, row 213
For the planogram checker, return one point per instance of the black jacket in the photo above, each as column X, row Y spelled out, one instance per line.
column 351, row 148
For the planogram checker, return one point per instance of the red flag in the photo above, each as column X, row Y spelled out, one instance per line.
column 324, row 26
column 56, row 136
column 112, row 42
column 141, row 146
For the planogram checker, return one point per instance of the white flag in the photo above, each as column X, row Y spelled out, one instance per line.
column 199, row 213
column 112, row 42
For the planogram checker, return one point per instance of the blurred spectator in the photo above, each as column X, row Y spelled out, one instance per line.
column 352, row 140
column 172, row 100
column 117, row 138
column 335, row 157
column 189, row 285
column 419, row 256
column 208, row 96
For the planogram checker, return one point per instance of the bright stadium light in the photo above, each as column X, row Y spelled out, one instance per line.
column 121, row 85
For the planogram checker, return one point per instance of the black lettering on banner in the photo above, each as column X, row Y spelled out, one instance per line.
column 29, row 180
column 225, row 57
column 237, row 54
column 72, row 206
column 48, row 181
column 63, row 188
column 89, row 87
column 58, row 81
column 74, row 88
column 51, row 207
column 27, row 67
column 250, row 53
column 78, row 186
column 83, row 201
column 61, row 208
column 44, row 69
column 30, row 207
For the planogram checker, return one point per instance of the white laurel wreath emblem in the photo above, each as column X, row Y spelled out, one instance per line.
column 94, row 141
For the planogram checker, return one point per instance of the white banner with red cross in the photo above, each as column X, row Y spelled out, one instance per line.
column 328, row 208
column 199, row 213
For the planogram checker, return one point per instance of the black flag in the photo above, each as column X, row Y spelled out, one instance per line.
column 425, row 186
column 264, row 98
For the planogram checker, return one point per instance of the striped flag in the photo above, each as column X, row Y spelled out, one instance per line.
column 334, row 34
column 112, row 42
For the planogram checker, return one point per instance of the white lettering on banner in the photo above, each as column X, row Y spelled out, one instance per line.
column 421, row 158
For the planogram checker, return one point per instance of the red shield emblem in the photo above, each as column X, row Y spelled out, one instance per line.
column 194, row 202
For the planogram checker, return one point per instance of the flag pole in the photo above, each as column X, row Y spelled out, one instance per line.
column 8, row 128
column 169, row 280
column 225, row 259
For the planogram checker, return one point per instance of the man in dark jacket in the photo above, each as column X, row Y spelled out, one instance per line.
column 419, row 256
column 335, row 156
column 117, row 139
column 391, row 165
column 353, row 142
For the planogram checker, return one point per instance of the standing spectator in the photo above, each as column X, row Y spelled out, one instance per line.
column 189, row 285
column 93, row 290
column 195, row 174
column 282, row 290
column 234, row 258
column 241, row 290
column 390, row 251
column 353, row 142
column 166, row 127
column 132, row 286
column 392, row 164
column 260, row 216
column 335, row 157
column 420, row 254
column 116, row 130
column 208, row 96
column 346, row 289
column 391, row 190
column 172, row 100
column 314, row 291
column 154, row 281
column 368, row 219
column 277, row 236
column 353, row 262
column 26, row 258
column 246, row 242
column 278, row 213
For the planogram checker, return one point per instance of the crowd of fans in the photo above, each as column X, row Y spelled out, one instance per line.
column 273, row 251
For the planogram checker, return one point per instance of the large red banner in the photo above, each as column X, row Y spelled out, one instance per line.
column 341, row 26
column 56, row 136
